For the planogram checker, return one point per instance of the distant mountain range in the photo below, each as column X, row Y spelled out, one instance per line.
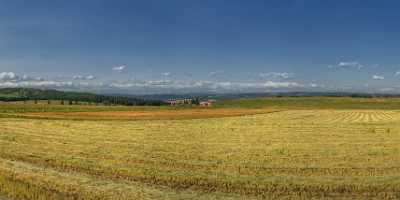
column 257, row 95
column 21, row 94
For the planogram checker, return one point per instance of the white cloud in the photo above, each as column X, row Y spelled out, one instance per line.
column 215, row 73
column 79, row 83
column 29, row 78
column 9, row 76
column 386, row 89
column 315, row 85
column 272, row 84
column 90, row 77
column 12, row 77
column 397, row 73
column 377, row 77
column 281, row 75
column 119, row 68
column 206, row 85
column 351, row 64
column 50, row 84
column 80, row 77
column 166, row 74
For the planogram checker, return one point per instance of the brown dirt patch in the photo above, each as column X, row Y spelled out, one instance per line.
column 146, row 115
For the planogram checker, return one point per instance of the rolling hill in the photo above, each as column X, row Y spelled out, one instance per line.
column 23, row 94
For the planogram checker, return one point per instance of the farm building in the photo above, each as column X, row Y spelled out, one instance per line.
column 176, row 102
column 207, row 103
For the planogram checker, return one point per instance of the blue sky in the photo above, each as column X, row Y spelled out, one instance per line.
column 201, row 45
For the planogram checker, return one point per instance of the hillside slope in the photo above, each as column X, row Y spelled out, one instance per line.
column 22, row 94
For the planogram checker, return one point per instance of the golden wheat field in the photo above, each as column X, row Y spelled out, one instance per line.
column 290, row 154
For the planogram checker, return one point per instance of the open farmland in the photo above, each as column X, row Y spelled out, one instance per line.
column 314, row 103
column 144, row 114
column 302, row 153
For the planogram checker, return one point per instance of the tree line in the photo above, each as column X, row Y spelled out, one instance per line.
column 71, row 98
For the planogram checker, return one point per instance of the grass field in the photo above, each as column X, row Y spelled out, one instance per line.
column 314, row 103
column 42, row 107
column 284, row 151
column 281, row 103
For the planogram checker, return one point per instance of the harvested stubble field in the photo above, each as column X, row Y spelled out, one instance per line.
column 291, row 154
column 166, row 114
